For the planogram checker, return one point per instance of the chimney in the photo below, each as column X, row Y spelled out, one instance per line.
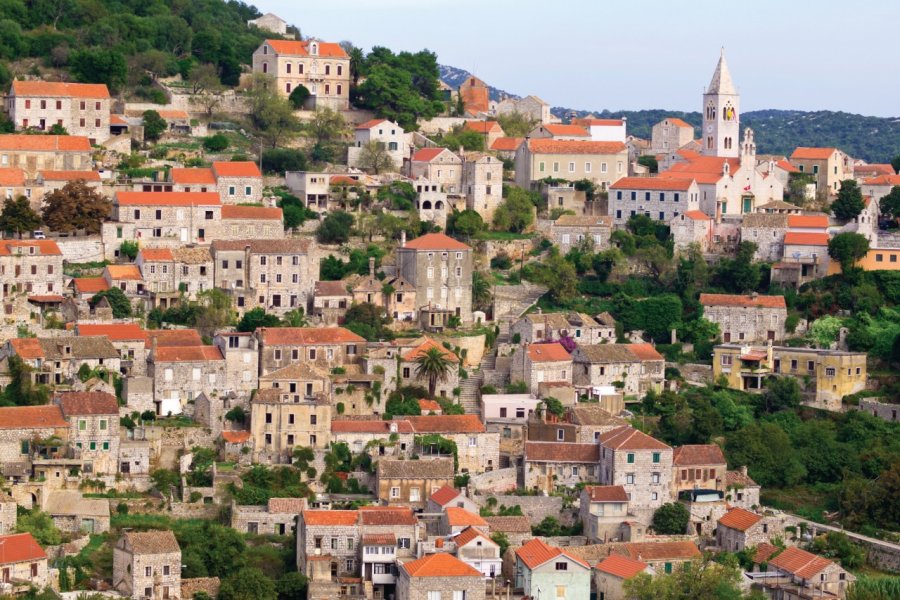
column 744, row 470
column 153, row 343
column 403, row 238
column 371, row 266
column 754, row 295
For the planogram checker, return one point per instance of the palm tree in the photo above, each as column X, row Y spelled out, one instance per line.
column 435, row 366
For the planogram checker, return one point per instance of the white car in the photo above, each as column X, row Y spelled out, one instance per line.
column 38, row 235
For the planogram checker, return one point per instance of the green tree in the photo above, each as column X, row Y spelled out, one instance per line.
column 375, row 158
column 502, row 540
column 516, row 124
column 335, row 228
column 278, row 160
column 434, row 365
column 154, row 125
column 256, row 318
column 889, row 205
column 21, row 390
column 481, row 291
column 847, row 248
column 697, row 580
column 649, row 162
column 18, row 216
column 292, row 586
column 327, row 125
column 299, row 96
column 466, row 139
column 129, row 249
column 216, row 143
column 402, row 88
column 118, row 301
column 767, row 451
column 849, row 202
column 558, row 275
column 368, row 321
column 295, row 318
column 895, row 162
column 782, row 393
column 99, row 65
column 740, row 274
column 466, row 222
column 516, row 212
column 248, row 584
column 548, row 527
column 40, row 526
column 671, row 519
column 269, row 113
column 75, row 206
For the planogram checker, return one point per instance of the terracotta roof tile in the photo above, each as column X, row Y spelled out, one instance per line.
column 415, row 469
column 379, row 539
column 764, row 552
column 883, row 180
column 27, row 347
column 583, row 221
column 331, row 288
column 124, row 272
column 439, row 565
column 739, row 519
column 60, row 89
column 427, row 406
column 742, row 300
column 483, row 126
column 470, row 533
column 652, row 183
column 559, row 129
column 627, row 438
column 561, row 452
column 370, row 124
column 240, row 168
column 606, row 493
column 800, row 562
column 90, row 285
column 257, row 213
column 738, row 479
column 446, row 423
column 44, row 143
column 369, row 426
column 168, row 199
column 506, row 144
column 87, row 403
column 445, row 495
column 187, row 354
column 660, row 550
column 44, row 247
column 387, row 515
column 235, row 437
column 173, row 337
column 679, row 123
column 645, row 351
column 808, row 221
column 174, row 115
column 193, row 176
column 20, row 547
column 69, row 175
column 697, row 454
column 805, row 153
column 429, row 154
column 805, row 239
column 152, row 542
column 12, row 176
column 786, row 166
column 460, row 517
column 536, row 552
column 621, row 566
column 301, row 48
column 157, row 254
column 435, row 241
column 552, row 146
column 423, row 348
column 290, row 336
column 554, row 352
column 341, row 518
column 31, row 417
column 697, row 215
column 592, row 122
column 874, row 169
column 511, row 524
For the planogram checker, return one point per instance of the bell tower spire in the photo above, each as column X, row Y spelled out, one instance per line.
column 721, row 113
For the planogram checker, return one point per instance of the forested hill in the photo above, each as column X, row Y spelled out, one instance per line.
column 873, row 139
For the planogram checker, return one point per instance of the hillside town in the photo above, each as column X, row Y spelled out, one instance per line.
column 284, row 338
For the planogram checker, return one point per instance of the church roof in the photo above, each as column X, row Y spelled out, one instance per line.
column 721, row 82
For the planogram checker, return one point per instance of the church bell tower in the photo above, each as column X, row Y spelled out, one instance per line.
column 721, row 114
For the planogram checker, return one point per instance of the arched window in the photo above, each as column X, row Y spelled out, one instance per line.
column 426, row 205
column 439, row 205
column 314, row 49
column 709, row 142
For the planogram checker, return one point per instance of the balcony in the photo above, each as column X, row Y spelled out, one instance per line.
column 384, row 578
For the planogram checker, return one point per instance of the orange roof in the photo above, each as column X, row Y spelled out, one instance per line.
column 808, row 221
column 435, row 241
column 804, row 153
column 446, row 423
column 12, row 176
column 679, row 123
column 428, row 154
column 506, row 144
column 661, row 550
column 554, row 352
column 343, row 180
column 786, row 166
column 470, row 533
column 424, row 347
column 262, row 213
column 88, row 403
column 386, row 515
column 157, row 254
column 439, row 565
column 173, row 337
column 445, row 495
column 90, row 285
column 115, row 332
column 429, row 405
column 800, row 562
column 45, row 247
column 197, row 176
column 739, row 519
column 59, row 89
column 621, row 566
column 699, row 177
column 482, row 126
column 712, row 165
column 369, row 426
column 168, row 199
column 27, row 347
column 764, row 552
column 806, row 239
column 591, row 122
column 742, row 300
column 32, row 417
column 371, row 123
column 883, row 180
column 645, row 351
column 239, row 168
column 235, row 437
column 301, row 48
column 697, row 215
column 307, row 335
column 128, row 272
column 460, row 517
column 117, row 120
column 20, row 547
column 698, row 454
column 556, row 129
column 652, row 183
column 606, row 493
column 552, row 146
column 45, row 143
column 536, row 552
column 343, row 518
column 187, row 354
column 70, row 175
column 628, row 438
column 874, row 169
column 173, row 114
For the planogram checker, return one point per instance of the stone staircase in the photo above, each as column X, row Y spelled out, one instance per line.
column 468, row 392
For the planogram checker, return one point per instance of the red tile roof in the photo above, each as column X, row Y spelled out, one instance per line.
column 805, row 239
column 238, row 168
column 341, row 518
column 45, row 247
column 660, row 550
column 591, row 122
column 557, row 129
column 88, row 403
column 883, row 180
column 20, row 547
column 446, row 423
column 32, row 417
column 69, row 175
column 470, row 533
column 552, row 146
column 235, row 437
column 800, row 563
column 742, row 300
column 628, row 438
column 606, row 493
column 12, row 176
column 301, row 48
column 697, row 454
column 187, row 354
column 645, row 351
column 168, row 199
column 739, row 519
column 482, row 126
column 44, row 143
column 445, row 495
column 90, row 285
column 652, row 183
column 554, row 352
column 124, row 272
column 370, row 124
column 423, row 349
column 174, row 115
column 429, row 406
column 435, row 241
column 873, row 169
column 808, row 221
column 439, row 565
column 697, row 215
column 786, row 166
column 386, row 515
column 680, row 123
column 460, row 517
column 561, row 452
column 59, row 89
column 506, row 144
column 27, row 347
column 173, row 337
column 285, row 505
column 536, row 552
column 379, row 539
column 369, row 426
column 764, row 552
column 157, row 254
column 307, row 336
column 258, row 213
column 427, row 154
column 621, row 566
column 804, row 153
column 193, row 176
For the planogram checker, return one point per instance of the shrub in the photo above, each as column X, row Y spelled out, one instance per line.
column 216, row 143
column 279, row 160
column 502, row 261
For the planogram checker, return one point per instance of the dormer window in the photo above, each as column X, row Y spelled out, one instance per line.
column 314, row 49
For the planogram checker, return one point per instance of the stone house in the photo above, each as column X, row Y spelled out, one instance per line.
column 147, row 564
column 388, row 535
column 602, row 509
column 74, row 514
column 637, row 368
column 829, row 167
column 475, row 96
column 380, row 438
column 517, row 528
column 879, row 186
column 659, row 198
column 449, row 496
column 663, row 557
column 479, row 551
column 93, row 419
column 482, row 183
column 440, row 269
column 55, row 361
column 23, row 564
column 323, row 68
column 235, row 446
column 299, row 378
column 125, row 277
column 81, row 108
column 505, row 147
column 312, row 188
column 670, row 135
column 540, row 566
column 808, row 251
column 767, row 232
column 541, row 362
column 738, row 529
column 531, row 107
column 35, row 153
column 387, row 134
column 8, row 514
column 325, row 348
column 281, row 420
column 886, row 411
column 550, row 465
column 169, row 273
column 32, row 267
column 163, row 218
column 437, row 576
column 690, row 228
column 238, row 182
column 614, row 570
column 13, row 185
column 438, row 166
column 540, row 326
column 329, row 535
column 408, row 374
column 395, row 295
column 581, row 424
column 600, row 162
column 478, row 450
column 330, row 301
column 813, row 574
column 241, row 352
column 181, row 373
column 741, row 490
column 696, row 466
column 751, row 318
column 410, row 482
column 277, row 517
column 491, row 131
column 129, row 339
column 570, row 231
column 641, row 464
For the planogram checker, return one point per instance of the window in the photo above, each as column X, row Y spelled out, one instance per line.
column 574, row 471
column 654, row 496
column 248, row 191
column 165, row 569
column 562, row 566
column 520, row 413
column 810, row 366
column 829, row 372
column 148, row 571
column 231, row 190
column 654, row 478
column 312, row 354
column 630, row 458
column 82, row 425
column 629, row 478
column 656, row 456
column 473, row 441
column 403, row 543
column 560, row 435
column 395, row 492
column 434, row 596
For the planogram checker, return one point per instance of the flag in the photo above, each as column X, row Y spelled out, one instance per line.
column 747, row 189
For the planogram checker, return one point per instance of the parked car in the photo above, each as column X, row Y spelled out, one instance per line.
column 38, row 235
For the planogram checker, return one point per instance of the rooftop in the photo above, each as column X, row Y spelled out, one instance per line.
column 20, row 547
column 59, row 89
column 628, row 438
column 460, row 517
column 439, row 565
column 44, row 143
column 536, row 552
column 415, row 469
column 739, row 519
column 652, row 183
column 341, row 518
column 800, row 562
column 88, row 403
column 806, row 153
column 387, row 515
column 553, row 352
column 561, row 452
column 152, row 542
column 240, row 168
column 435, row 241
column 684, row 550
column 307, row 336
column 301, row 48
column 697, row 454
column 445, row 495
column 606, row 493
column 621, row 566
column 553, row 146
column 747, row 301
column 805, row 239
column 168, row 199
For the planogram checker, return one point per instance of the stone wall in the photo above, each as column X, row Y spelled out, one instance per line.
column 499, row 480
column 536, row 508
column 694, row 373
column 81, row 249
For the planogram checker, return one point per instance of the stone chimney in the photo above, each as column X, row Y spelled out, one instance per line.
column 403, row 238
column 744, row 470
column 371, row 266
column 153, row 343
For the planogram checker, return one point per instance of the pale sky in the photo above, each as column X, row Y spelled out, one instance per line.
column 594, row 55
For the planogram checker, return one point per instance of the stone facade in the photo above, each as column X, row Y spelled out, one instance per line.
column 410, row 482
column 35, row 153
column 169, row 273
column 181, row 373
column 639, row 463
column 570, row 231
column 752, row 318
column 388, row 134
column 29, row 565
column 829, row 166
column 637, row 368
column 8, row 514
column 241, row 352
column 93, row 429
column 659, row 198
column 552, row 465
column 690, row 228
column 281, row 421
column 325, row 348
column 81, row 108
column 331, row 536
column 482, row 184
column 438, row 166
column 767, row 232
column 738, row 529
column 431, row 588
column 278, row 517
column 440, row 268
column 670, row 135
column 30, row 268
column 602, row 510
column 147, row 565
column 322, row 67
column 600, row 162
column 883, row 410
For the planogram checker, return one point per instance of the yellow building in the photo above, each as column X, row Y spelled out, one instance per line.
column 826, row 376
column 877, row 259
column 281, row 420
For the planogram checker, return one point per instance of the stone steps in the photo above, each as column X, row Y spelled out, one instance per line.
column 468, row 392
